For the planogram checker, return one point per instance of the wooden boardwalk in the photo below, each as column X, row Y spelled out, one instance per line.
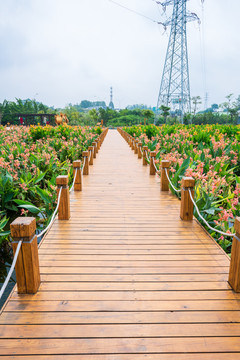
column 125, row 278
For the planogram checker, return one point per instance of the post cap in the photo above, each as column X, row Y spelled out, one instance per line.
column 77, row 164
column 23, row 227
column 62, row 180
column 237, row 225
column 94, row 143
column 165, row 164
column 145, row 147
column 90, row 148
column 140, row 144
column 188, row 182
column 153, row 153
column 85, row 153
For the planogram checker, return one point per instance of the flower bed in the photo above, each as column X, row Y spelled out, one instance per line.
column 30, row 160
column 211, row 155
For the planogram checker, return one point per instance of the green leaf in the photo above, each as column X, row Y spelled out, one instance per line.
column 44, row 195
column 33, row 209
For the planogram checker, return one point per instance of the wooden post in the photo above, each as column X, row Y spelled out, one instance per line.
column 139, row 150
column 99, row 142
column 64, row 205
column 27, row 265
column 133, row 144
column 186, row 212
column 86, row 160
column 164, row 179
column 145, row 150
column 96, row 142
column 90, row 149
column 234, row 271
column 152, row 159
column 78, row 181
column 94, row 150
column 136, row 147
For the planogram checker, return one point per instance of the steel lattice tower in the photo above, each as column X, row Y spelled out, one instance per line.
column 175, row 87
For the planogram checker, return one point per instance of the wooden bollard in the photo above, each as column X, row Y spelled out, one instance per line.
column 99, row 142
column 234, row 271
column 90, row 150
column 152, row 159
column 145, row 151
column 139, row 150
column 186, row 211
column 86, row 162
column 94, row 150
column 96, row 142
column 136, row 147
column 130, row 142
column 27, row 265
column 164, row 180
column 78, row 181
column 133, row 144
column 64, row 205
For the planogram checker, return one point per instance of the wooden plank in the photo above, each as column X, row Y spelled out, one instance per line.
column 90, row 305
column 122, row 345
column 118, row 331
column 133, row 286
column 127, row 317
column 202, row 356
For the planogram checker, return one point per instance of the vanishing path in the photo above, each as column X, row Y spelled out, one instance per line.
column 125, row 278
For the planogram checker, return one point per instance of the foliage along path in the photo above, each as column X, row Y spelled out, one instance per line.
column 125, row 278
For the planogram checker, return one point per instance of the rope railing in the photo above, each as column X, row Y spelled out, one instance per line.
column 205, row 221
column 11, row 269
column 72, row 187
column 53, row 216
column 146, row 155
column 84, row 162
column 170, row 182
column 154, row 164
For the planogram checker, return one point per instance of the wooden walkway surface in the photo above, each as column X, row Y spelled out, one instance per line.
column 125, row 278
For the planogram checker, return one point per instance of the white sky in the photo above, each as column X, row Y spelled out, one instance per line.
column 65, row 51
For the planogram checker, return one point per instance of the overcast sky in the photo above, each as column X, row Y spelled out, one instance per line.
column 64, row 51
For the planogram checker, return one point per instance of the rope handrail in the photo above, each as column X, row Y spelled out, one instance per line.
column 157, row 170
column 53, row 216
column 205, row 221
column 75, row 176
column 177, row 190
column 11, row 269
column 147, row 157
column 84, row 162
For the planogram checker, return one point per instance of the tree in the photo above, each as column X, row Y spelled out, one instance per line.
column 232, row 107
column 196, row 100
column 94, row 115
column 147, row 114
column 165, row 111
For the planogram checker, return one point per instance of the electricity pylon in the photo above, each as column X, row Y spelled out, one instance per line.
column 175, row 87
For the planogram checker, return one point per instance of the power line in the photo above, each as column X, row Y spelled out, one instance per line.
column 133, row 11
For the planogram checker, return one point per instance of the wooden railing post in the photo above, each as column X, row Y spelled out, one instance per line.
column 145, row 150
column 136, row 147
column 133, row 144
column 97, row 145
column 164, row 180
column 86, row 160
column 186, row 212
column 64, row 205
column 94, row 150
column 234, row 271
column 90, row 150
column 78, row 181
column 139, row 150
column 152, row 159
column 27, row 265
